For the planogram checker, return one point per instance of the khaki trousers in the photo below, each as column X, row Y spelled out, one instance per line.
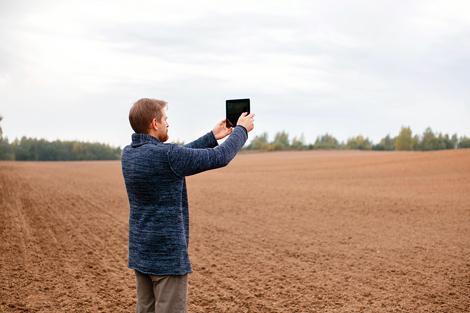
column 161, row 294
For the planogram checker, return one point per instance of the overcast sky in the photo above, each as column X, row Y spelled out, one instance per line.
column 72, row 69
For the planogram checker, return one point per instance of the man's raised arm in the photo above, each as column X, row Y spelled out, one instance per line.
column 209, row 140
column 187, row 161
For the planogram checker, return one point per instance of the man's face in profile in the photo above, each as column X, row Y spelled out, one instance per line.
column 162, row 127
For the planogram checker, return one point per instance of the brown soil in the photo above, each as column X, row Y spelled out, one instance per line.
column 272, row 232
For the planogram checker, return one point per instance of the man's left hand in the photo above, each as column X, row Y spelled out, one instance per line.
column 221, row 131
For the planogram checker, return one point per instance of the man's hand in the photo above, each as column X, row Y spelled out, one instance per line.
column 221, row 131
column 247, row 120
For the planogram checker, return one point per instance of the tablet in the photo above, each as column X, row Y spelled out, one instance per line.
column 235, row 108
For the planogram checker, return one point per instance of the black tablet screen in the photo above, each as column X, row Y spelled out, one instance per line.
column 235, row 108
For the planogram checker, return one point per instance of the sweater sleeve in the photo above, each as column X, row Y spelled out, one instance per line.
column 188, row 161
column 206, row 141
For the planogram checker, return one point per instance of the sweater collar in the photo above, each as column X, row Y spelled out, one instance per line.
column 139, row 139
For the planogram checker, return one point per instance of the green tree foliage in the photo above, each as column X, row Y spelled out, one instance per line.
column 260, row 142
column 6, row 152
column 404, row 140
column 464, row 142
column 359, row 142
column 326, row 141
column 42, row 150
column 298, row 143
column 428, row 140
column 386, row 144
column 455, row 141
column 445, row 142
column 281, row 141
column 416, row 142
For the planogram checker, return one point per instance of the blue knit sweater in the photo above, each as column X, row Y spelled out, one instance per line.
column 159, row 218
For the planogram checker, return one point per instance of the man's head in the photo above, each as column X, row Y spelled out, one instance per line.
column 148, row 116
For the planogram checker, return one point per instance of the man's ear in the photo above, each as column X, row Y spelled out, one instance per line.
column 153, row 125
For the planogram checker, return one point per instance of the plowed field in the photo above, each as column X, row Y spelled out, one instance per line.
column 272, row 232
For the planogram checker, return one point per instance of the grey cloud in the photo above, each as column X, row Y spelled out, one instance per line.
column 380, row 70
column 209, row 38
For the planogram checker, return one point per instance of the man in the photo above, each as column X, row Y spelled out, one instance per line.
column 154, row 174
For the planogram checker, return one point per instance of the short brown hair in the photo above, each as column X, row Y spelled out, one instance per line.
column 143, row 112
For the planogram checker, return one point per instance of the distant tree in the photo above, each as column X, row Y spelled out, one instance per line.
column 298, row 143
column 42, row 150
column 464, row 142
column 326, row 141
column 359, row 143
column 378, row 147
column 260, row 142
column 416, row 142
column 428, row 140
column 445, row 141
column 6, row 151
column 455, row 141
column 404, row 140
column 386, row 144
column 281, row 141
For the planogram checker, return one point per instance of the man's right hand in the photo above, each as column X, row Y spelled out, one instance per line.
column 247, row 120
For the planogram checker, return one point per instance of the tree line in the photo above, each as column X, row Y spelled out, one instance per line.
column 33, row 149
column 405, row 140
